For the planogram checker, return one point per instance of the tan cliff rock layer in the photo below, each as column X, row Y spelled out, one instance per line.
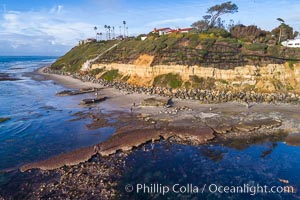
column 141, row 73
column 144, row 60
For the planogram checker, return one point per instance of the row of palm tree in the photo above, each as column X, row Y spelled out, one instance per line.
column 98, row 34
column 110, row 32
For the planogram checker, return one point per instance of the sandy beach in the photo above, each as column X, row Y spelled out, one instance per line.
column 124, row 100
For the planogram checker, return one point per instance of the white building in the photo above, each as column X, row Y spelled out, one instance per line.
column 292, row 43
column 164, row 31
column 161, row 31
column 180, row 30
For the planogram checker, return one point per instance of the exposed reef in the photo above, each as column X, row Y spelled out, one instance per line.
column 7, row 77
column 140, row 130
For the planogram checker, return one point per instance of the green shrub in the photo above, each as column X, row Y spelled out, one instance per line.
column 274, row 50
column 207, row 42
column 187, row 84
column 291, row 64
column 193, row 40
column 202, row 83
column 289, row 87
column 248, row 87
column 256, row 47
column 224, row 81
column 168, row 80
column 218, row 32
column 111, row 75
column 181, row 55
column 230, row 41
column 171, row 41
column 160, row 47
column 96, row 71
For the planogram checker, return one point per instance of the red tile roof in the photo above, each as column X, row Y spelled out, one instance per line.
column 172, row 31
column 169, row 30
column 180, row 30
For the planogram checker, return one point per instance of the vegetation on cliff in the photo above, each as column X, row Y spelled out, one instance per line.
column 74, row 59
column 213, row 48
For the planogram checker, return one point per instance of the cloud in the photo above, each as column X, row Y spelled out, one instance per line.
column 47, row 28
column 56, row 9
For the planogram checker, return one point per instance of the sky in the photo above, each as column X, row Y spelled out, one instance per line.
column 52, row 27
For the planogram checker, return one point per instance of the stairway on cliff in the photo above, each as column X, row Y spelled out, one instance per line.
column 87, row 64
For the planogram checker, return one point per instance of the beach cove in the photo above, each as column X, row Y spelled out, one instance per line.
column 186, row 127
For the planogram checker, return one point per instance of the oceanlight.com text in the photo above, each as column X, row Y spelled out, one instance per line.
column 156, row 188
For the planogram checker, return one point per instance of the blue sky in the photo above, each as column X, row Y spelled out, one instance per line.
column 36, row 27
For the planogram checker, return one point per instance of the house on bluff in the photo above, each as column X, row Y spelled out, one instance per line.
column 295, row 43
column 165, row 31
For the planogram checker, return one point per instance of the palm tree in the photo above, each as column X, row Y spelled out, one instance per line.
column 120, row 27
column 108, row 27
column 95, row 29
column 99, row 36
column 105, row 26
column 280, row 20
column 113, row 32
column 124, row 23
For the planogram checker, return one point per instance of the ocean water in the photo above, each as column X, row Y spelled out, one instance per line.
column 40, row 124
column 269, row 164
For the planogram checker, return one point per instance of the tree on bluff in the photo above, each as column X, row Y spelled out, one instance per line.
column 216, row 11
column 248, row 33
column 213, row 19
column 284, row 32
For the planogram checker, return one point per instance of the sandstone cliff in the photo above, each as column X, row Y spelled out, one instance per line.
column 265, row 78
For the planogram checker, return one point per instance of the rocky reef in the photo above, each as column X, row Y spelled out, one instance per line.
column 7, row 77
column 189, row 127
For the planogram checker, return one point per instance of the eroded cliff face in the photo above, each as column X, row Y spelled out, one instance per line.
column 265, row 78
